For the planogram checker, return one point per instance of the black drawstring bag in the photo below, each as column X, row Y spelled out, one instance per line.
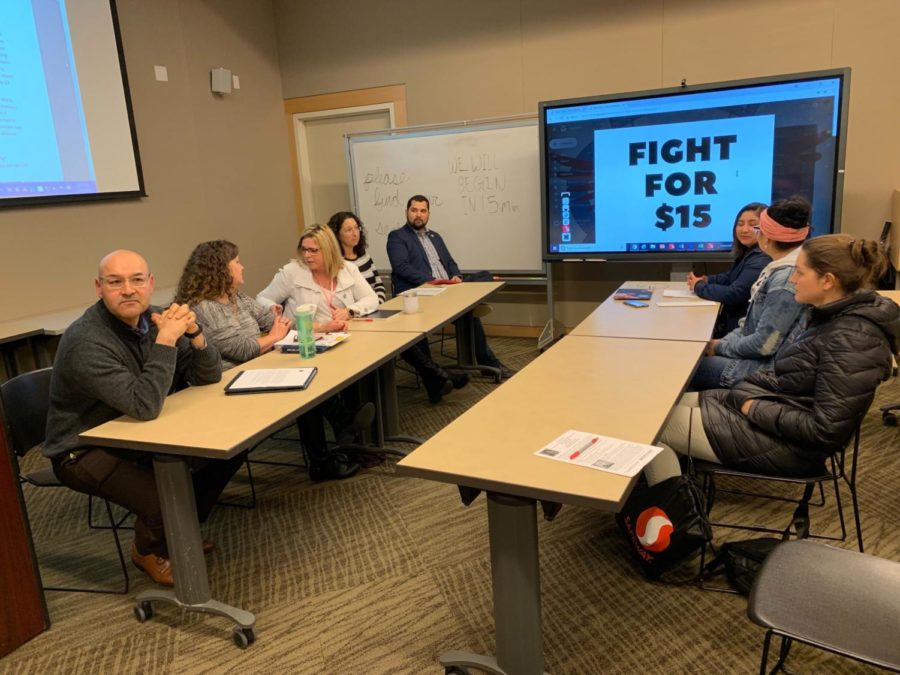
column 665, row 524
column 742, row 560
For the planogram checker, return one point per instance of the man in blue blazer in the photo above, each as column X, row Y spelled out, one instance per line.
column 419, row 255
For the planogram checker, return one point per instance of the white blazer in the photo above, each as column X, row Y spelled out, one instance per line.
column 294, row 285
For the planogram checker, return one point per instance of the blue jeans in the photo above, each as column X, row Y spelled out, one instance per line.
column 709, row 373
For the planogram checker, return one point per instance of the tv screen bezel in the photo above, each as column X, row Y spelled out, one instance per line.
column 140, row 190
column 680, row 256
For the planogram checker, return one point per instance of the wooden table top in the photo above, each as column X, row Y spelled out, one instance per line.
column 616, row 387
column 615, row 319
column 434, row 310
column 204, row 422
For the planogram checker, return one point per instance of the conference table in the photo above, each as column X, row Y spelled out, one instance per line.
column 613, row 318
column 618, row 387
column 202, row 422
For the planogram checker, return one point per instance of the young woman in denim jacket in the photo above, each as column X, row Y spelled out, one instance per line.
column 772, row 312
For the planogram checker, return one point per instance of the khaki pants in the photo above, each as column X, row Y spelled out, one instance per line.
column 683, row 435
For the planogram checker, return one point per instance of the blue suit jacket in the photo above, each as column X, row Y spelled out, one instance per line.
column 409, row 264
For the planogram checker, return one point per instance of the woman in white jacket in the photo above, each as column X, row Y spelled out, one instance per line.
column 321, row 277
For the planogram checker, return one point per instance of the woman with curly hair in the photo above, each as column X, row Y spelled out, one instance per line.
column 241, row 329
column 236, row 324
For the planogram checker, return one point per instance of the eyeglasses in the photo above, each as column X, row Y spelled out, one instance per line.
column 309, row 251
column 118, row 283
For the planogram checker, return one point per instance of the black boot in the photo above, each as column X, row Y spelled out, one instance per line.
column 437, row 382
column 323, row 465
column 330, row 466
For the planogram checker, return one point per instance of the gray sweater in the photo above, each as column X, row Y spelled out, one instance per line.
column 104, row 369
column 233, row 328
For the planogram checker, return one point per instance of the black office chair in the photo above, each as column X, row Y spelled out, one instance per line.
column 798, row 526
column 841, row 601
column 24, row 402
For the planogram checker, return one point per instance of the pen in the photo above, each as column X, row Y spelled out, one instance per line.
column 583, row 448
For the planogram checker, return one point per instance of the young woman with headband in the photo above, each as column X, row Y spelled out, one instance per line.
column 772, row 312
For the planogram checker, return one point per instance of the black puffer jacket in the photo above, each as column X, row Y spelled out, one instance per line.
column 818, row 390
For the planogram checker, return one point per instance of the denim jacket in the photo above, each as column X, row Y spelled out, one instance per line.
column 771, row 316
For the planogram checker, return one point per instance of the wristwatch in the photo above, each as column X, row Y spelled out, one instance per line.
column 191, row 336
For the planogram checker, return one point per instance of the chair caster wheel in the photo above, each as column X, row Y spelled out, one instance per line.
column 242, row 637
column 889, row 418
column 143, row 611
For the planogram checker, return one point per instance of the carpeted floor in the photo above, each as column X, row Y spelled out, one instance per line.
column 379, row 574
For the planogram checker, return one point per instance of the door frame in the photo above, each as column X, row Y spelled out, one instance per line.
column 297, row 110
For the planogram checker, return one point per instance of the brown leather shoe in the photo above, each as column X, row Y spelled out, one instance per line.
column 157, row 568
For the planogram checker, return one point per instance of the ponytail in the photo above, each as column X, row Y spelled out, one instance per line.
column 855, row 263
column 867, row 255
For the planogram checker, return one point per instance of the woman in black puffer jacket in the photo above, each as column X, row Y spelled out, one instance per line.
column 788, row 420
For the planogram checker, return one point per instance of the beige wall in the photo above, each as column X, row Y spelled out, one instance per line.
column 472, row 59
column 213, row 167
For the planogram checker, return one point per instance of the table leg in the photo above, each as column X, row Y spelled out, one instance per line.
column 465, row 347
column 388, row 417
column 516, row 581
column 465, row 339
column 179, row 510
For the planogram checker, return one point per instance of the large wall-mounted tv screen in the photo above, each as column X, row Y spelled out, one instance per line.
column 66, row 129
column 661, row 174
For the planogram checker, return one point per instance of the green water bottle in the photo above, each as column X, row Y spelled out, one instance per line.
column 306, row 341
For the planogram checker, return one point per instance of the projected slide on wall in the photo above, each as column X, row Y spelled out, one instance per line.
column 65, row 129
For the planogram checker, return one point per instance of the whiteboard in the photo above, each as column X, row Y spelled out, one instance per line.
column 482, row 180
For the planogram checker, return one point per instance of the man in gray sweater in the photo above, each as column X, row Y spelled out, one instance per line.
column 124, row 357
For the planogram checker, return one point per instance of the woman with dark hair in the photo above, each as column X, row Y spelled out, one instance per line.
column 772, row 312
column 242, row 328
column 788, row 420
column 351, row 235
column 732, row 288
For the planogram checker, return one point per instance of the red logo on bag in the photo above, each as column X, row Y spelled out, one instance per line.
column 654, row 529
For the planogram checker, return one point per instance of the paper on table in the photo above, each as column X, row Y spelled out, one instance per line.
column 673, row 293
column 685, row 303
column 434, row 290
column 600, row 452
